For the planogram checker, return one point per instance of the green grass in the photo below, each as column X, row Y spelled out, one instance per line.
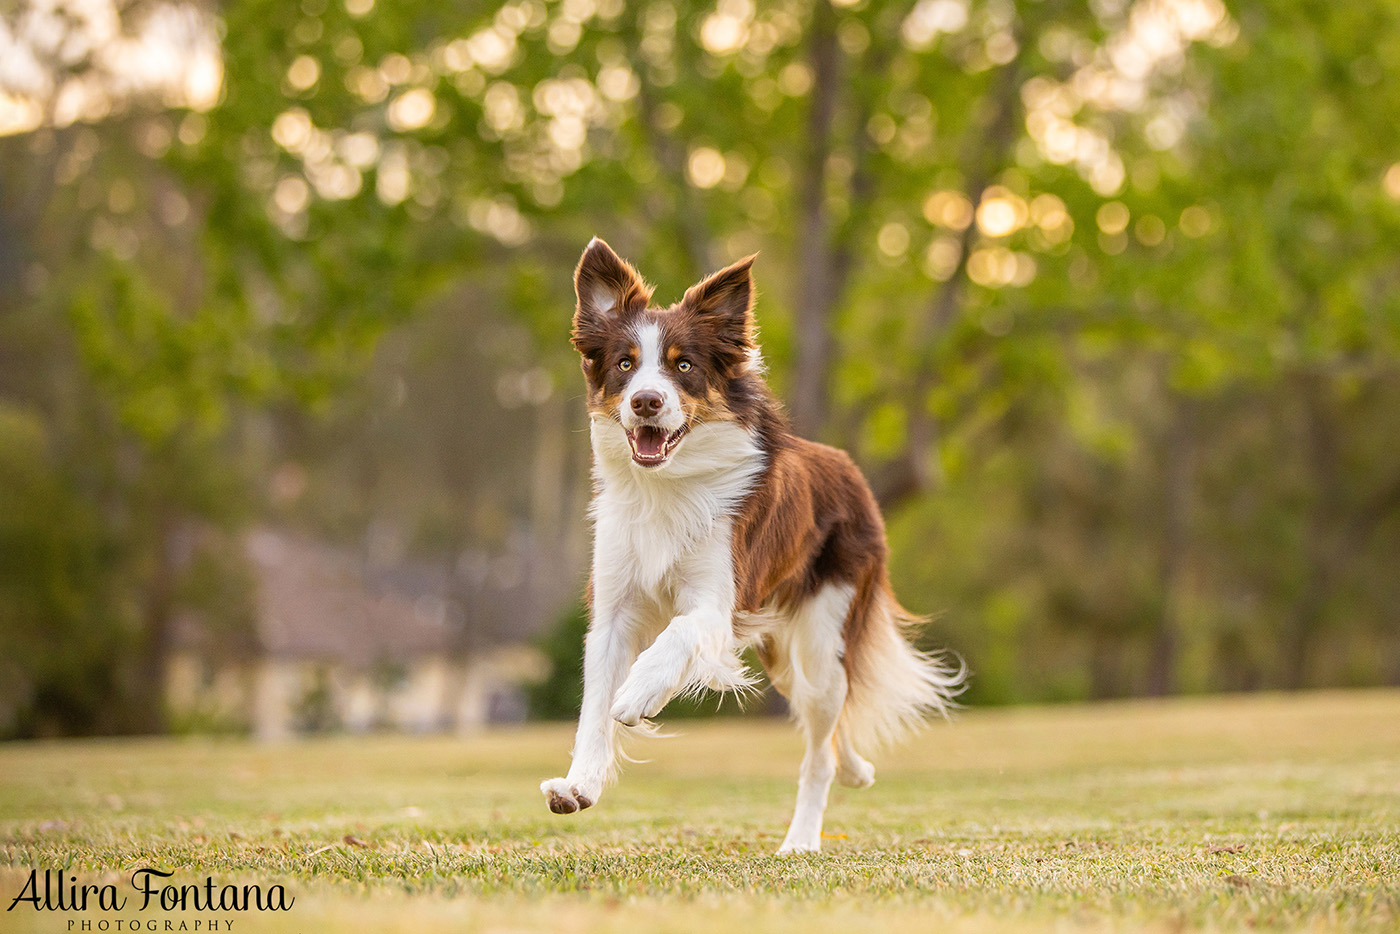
column 1243, row 812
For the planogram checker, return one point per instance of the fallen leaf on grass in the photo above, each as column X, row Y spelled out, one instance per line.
column 354, row 840
column 833, row 836
column 1228, row 849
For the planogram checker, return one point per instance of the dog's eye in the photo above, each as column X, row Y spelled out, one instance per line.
column 683, row 366
column 624, row 365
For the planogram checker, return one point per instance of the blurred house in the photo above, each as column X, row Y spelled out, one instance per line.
column 341, row 641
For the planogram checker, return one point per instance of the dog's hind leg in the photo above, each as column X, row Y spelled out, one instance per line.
column 852, row 769
column 808, row 657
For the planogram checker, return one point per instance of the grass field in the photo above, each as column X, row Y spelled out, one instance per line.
column 1245, row 812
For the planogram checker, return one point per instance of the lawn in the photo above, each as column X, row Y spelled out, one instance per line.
column 1274, row 812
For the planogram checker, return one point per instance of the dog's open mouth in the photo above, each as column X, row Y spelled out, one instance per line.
column 652, row 445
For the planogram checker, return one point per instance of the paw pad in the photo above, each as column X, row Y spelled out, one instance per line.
column 566, row 802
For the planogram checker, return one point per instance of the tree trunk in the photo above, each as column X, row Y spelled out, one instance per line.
column 149, row 713
column 1105, row 667
column 1179, row 442
column 1320, row 546
column 813, row 294
column 912, row 472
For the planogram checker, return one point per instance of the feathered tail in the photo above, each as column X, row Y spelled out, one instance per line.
column 893, row 687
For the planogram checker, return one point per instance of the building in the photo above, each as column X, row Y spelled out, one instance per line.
column 341, row 642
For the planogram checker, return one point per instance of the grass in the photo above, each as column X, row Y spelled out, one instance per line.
column 1274, row 812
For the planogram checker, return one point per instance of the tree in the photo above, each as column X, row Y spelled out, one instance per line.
column 1093, row 263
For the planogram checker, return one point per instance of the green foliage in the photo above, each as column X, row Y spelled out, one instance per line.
column 559, row 695
column 58, row 632
column 1101, row 296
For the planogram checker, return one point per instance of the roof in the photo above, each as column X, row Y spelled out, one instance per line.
column 320, row 601
column 316, row 601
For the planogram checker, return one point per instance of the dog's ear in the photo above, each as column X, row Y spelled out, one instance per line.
column 607, row 288
column 724, row 301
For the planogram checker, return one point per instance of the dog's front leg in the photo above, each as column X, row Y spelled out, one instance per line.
column 697, row 649
column 608, row 650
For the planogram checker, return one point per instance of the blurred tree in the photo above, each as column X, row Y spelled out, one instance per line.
column 58, row 632
column 1098, row 294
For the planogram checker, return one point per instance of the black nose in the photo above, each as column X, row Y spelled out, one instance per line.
column 647, row 403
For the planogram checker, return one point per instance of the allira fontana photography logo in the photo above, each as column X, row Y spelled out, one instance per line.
column 48, row 890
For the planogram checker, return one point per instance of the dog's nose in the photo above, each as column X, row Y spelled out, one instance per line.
column 647, row 403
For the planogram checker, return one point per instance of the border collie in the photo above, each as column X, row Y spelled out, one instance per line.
column 716, row 528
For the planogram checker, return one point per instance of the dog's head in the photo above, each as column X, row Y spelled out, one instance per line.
column 661, row 372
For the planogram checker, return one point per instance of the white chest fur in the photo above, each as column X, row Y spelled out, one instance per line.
column 649, row 521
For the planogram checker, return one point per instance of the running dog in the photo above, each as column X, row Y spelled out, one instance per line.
column 716, row 528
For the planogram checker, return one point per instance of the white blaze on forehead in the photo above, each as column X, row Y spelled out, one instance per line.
column 649, row 343
column 651, row 374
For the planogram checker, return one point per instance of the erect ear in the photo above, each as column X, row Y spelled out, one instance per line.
column 724, row 300
column 607, row 288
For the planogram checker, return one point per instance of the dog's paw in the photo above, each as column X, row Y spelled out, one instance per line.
column 636, row 702
column 804, row 835
column 855, row 773
column 791, row 847
column 565, row 797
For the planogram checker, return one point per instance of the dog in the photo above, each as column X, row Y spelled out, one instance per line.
column 716, row 528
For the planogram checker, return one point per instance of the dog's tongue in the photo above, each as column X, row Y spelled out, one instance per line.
column 650, row 441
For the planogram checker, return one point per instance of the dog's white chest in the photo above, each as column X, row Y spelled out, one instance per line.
column 648, row 523
column 643, row 543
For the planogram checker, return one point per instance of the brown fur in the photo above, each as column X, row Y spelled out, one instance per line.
column 811, row 521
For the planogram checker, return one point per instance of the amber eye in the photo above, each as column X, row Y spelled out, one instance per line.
column 624, row 364
column 683, row 366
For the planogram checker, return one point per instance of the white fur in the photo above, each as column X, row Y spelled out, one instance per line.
column 900, row 686
column 650, row 374
column 663, row 581
column 755, row 363
column 806, row 652
column 604, row 301
column 647, row 518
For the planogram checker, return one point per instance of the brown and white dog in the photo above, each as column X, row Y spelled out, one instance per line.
column 716, row 528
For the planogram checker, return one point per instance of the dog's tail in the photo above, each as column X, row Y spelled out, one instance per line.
column 892, row 686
